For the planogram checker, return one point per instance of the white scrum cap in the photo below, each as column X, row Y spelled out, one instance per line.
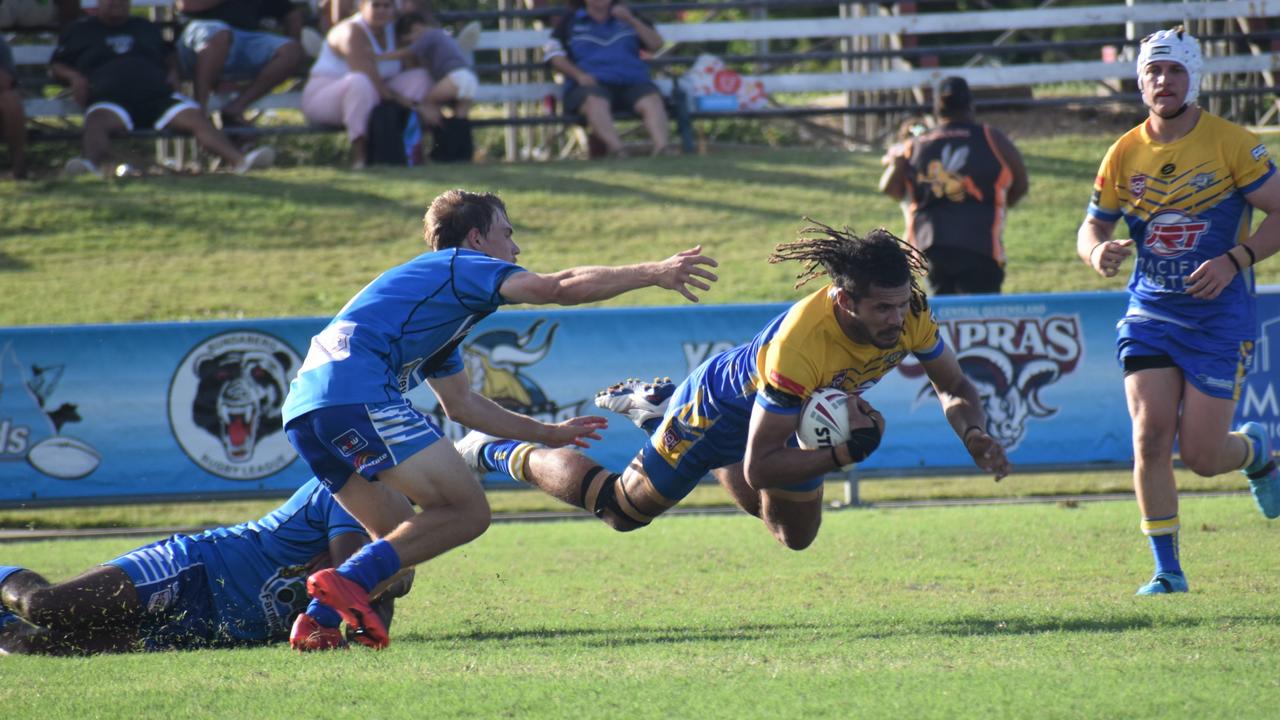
column 1178, row 46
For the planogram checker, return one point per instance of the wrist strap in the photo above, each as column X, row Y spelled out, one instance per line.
column 964, row 436
column 1093, row 250
column 1253, row 259
column 1234, row 261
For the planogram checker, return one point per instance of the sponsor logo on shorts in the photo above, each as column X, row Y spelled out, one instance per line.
column 368, row 459
column 160, row 600
column 350, row 442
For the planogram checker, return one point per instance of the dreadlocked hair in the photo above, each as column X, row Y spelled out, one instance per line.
column 855, row 263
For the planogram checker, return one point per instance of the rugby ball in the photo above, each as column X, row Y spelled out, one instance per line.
column 65, row 458
column 824, row 421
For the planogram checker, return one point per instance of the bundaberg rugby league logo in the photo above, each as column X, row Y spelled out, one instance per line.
column 225, row 400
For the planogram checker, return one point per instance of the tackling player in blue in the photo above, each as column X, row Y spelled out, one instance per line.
column 736, row 414
column 347, row 415
column 226, row 587
column 1185, row 182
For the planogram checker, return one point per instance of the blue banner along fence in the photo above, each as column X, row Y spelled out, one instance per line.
column 114, row 413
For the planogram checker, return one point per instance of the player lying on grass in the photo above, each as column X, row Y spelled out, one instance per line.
column 736, row 414
column 225, row 587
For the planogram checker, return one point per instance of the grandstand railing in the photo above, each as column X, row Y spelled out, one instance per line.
column 874, row 76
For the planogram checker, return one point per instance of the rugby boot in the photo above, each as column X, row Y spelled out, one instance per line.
column 639, row 400
column 352, row 603
column 1264, row 478
column 1164, row 584
column 308, row 635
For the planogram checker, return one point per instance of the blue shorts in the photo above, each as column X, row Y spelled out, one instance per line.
column 697, row 435
column 1214, row 366
column 173, row 589
column 366, row 439
column 249, row 52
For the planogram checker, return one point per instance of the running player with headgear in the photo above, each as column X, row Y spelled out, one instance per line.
column 1185, row 182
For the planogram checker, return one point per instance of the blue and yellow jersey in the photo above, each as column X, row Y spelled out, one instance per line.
column 1184, row 204
column 804, row 349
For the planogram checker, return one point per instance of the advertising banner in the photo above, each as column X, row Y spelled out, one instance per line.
column 113, row 413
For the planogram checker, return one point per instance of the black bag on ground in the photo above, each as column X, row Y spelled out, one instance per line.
column 386, row 134
column 452, row 142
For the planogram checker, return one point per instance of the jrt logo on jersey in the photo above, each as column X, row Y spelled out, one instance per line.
column 1137, row 185
column 224, row 404
column 1010, row 361
column 1173, row 232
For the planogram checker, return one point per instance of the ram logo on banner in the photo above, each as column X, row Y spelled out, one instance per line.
column 1010, row 361
column 30, row 432
column 225, row 400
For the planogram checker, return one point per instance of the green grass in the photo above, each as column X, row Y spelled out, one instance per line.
column 870, row 491
column 300, row 242
column 977, row 612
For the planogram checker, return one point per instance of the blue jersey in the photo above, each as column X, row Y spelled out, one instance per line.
column 1184, row 204
column 238, row 584
column 402, row 328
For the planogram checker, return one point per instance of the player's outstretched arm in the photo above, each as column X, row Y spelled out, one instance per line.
column 591, row 283
column 469, row 408
column 963, row 408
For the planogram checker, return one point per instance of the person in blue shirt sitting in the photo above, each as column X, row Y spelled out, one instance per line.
column 597, row 48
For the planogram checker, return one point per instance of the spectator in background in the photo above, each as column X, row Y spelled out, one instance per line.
column 38, row 13
column 1185, row 183
column 960, row 178
column 122, row 71
column 223, row 39
column 348, row 80
column 597, row 48
column 13, row 120
column 912, row 127
column 423, row 43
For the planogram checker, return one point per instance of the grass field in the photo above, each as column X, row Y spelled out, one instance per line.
column 1008, row 612
column 300, row 242
column 1018, row 611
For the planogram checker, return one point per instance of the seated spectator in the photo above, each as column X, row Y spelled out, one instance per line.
column 223, row 39
column 423, row 43
column 38, row 13
column 226, row 587
column 597, row 48
column 960, row 179
column 122, row 72
column 348, row 80
column 13, row 121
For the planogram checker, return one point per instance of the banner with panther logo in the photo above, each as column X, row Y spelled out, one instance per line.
column 192, row 410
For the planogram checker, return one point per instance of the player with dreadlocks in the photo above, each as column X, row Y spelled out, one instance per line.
column 736, row 414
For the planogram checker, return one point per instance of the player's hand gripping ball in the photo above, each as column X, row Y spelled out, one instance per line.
column 831, row 417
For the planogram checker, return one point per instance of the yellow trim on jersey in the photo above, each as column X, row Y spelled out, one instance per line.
column 810, row 350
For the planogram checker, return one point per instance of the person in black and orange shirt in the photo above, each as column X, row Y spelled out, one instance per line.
column 960, row 178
